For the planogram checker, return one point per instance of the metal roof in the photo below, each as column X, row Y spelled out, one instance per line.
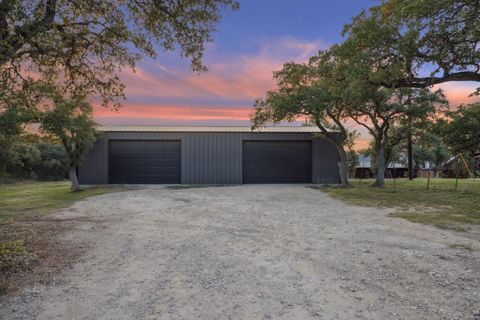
column 280, row 129
column 366, row 162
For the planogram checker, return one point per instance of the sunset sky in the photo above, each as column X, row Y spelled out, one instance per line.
column 248, row 46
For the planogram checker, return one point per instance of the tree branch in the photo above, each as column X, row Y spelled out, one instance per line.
column 423, row 82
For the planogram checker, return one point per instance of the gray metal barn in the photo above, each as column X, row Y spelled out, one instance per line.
column 209, row 155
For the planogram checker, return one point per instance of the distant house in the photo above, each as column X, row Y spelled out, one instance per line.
column 449, row 169
column 364, row 170
column 426, row 171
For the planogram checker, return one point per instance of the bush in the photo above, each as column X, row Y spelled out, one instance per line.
column 53, row 162
column 27, row 160
column 22, row 159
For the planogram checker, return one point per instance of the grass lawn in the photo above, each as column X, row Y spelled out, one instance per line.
column 440, row 205
column 28, row 249
column 32, row 198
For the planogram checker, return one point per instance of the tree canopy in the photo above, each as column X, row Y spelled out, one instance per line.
column 461, row 130
column 415, row 43
column 77, row 43
column 52, row 49
column 70, row 122
column 305, row 91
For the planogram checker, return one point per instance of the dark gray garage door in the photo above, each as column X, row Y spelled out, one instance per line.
column 277, row 162
column 146, row 162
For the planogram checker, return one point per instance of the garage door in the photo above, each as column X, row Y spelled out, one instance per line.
column 277, row 162
column 148, row 162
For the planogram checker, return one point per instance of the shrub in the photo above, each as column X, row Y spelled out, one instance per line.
column 23, row 157
column 53, row 162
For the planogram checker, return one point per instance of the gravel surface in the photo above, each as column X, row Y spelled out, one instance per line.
column 252, row 252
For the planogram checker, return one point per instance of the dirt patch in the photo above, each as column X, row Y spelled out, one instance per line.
column 251, row 252
column 42, row 256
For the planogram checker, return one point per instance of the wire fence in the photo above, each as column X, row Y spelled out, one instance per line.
column 459, row 185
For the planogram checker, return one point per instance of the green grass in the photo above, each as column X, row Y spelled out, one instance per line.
column 462, row 246
column 26, row 246
column 13, row 254
column 440, row 205
column 31, row 198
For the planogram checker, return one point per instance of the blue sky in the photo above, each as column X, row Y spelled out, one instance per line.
column 302, row 19
column 248, row 46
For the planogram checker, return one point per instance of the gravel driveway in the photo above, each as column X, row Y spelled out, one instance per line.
column 252, row 252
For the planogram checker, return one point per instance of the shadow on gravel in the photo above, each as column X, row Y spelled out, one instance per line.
column 193, row 186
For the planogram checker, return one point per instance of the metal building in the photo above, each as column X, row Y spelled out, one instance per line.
column 209, row 155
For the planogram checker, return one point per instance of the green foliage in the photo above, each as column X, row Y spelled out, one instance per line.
column 23, row 159
column 12, row 121
column 70, row 121
column 56, row 48
column 421, row 156
column 78, row 44
column 380, row 110
column 304, row 91
column 34, row 160
column 13, row 255
column 430, row 148
column 383, row 60
column 53, row 162
column 392, row 44
column 394, row 151
column 461, row 130
column 352, row 161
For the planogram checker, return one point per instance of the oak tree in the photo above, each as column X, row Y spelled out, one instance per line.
column 70, row 122
column 304, row 91
column 417, row 43
column 85, row 43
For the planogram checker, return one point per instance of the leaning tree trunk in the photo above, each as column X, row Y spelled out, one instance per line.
column 380, row 181
column 74, row 179
column 342, row 166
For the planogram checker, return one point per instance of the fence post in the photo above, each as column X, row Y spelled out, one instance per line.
column 394, row 175
column 428, row 178
column 456, row 174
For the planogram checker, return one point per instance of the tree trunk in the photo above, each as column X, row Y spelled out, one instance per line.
column 342, row 166
column 380, row 181
column 74, row 179
column 410, row 154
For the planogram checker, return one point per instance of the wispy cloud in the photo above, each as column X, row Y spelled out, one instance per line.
column 170, row 93
column 234, row 81
column 177, row 112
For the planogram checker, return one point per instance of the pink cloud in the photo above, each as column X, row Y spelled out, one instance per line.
column 459, row 92
column 233, row 77
column 226, row 92
column 175, row 112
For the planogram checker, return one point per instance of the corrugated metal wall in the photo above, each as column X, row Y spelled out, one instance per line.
column 210, row 158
